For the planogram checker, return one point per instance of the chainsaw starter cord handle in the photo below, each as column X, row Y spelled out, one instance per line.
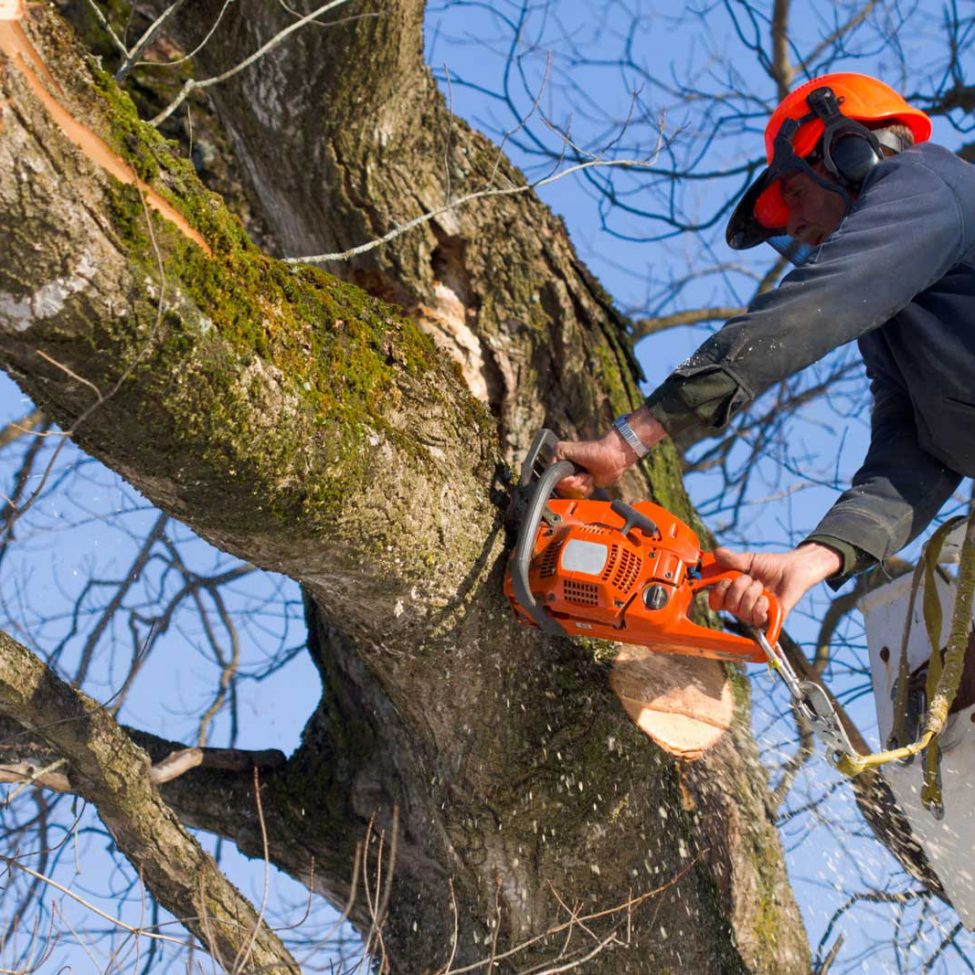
column 712, row 574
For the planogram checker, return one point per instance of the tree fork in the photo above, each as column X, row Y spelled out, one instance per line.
column 307, row 428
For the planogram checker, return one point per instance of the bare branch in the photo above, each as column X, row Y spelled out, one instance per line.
column 151, row 33
column 462, row 201
column 21, row 427
column 652, row 326
column 101, row 18
column 17, row 865
column 782, row 71
column 194, row 85
column 830, row 40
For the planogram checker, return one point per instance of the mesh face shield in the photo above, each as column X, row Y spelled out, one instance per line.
column 794, row 250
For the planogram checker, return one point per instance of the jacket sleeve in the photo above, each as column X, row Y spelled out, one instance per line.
column 896, row 492
column 904, row 233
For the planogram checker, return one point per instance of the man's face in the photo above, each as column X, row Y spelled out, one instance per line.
column 814, row 211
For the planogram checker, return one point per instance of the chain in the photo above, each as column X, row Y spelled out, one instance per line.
column 811, row 704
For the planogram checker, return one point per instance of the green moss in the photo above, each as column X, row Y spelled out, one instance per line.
column 135, row 141
column 157, row 162
column 337, row 354
column 621, row 394
column 599, row 651
column 767, row 923
column 741, row 689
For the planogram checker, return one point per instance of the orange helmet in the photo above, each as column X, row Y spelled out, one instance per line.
column 836, row 105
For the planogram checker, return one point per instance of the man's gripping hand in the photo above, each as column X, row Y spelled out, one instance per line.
column 606, row 459
column 786, row 575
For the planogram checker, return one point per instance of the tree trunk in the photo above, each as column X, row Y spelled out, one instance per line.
column 293, row 420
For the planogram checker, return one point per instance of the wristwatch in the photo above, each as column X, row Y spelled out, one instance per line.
column 626, row 432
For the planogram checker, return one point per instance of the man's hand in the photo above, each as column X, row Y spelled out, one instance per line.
column 787, row 576
column 606, row 459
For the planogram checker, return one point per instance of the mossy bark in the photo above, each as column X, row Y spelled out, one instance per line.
column 293, row 419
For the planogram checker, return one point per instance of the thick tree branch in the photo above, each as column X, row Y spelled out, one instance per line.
column 108, row 770
column 170, row 760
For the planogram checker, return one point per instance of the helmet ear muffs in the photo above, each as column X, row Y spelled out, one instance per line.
column 853, row 156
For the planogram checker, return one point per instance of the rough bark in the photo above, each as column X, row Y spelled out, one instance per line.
column 371, row 144
column 294, row 421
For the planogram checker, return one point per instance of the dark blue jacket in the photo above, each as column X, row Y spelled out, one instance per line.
column 898, row 275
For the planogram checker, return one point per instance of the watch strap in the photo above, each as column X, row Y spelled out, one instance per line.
column 627, row 433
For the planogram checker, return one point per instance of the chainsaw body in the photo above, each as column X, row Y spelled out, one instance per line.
column 613, row 571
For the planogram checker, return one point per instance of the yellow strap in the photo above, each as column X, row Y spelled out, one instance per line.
column 933, row 620
column 934, row 617
column 898, row 729
column 949, row 677
column 940, row 703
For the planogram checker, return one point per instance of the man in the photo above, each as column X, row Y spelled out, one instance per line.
column 881, row 223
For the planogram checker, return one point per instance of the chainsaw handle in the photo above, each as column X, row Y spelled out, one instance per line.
column 712, row 574
column 540, row 494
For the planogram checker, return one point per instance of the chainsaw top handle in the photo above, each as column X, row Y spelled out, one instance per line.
column 712, row 573
column 547, row 477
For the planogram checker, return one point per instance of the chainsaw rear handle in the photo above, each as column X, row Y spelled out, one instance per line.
column 712, row 574
column 541, row 492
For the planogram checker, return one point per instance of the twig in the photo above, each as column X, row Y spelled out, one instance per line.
column 627, row 905
column 388, row 885
column 91, row 907
column 108, row 28
column 147, row 38
column 575, row 913
column 404, row 228
column 240, row 965
column 830, row 957
column 193, row 84
column 568, row 966
column 199, row 47
column 454, row 937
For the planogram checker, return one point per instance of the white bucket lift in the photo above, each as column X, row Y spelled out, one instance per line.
column 950, row 842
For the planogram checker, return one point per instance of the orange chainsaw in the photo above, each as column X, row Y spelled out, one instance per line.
column 615, row 571
column 630, row 573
